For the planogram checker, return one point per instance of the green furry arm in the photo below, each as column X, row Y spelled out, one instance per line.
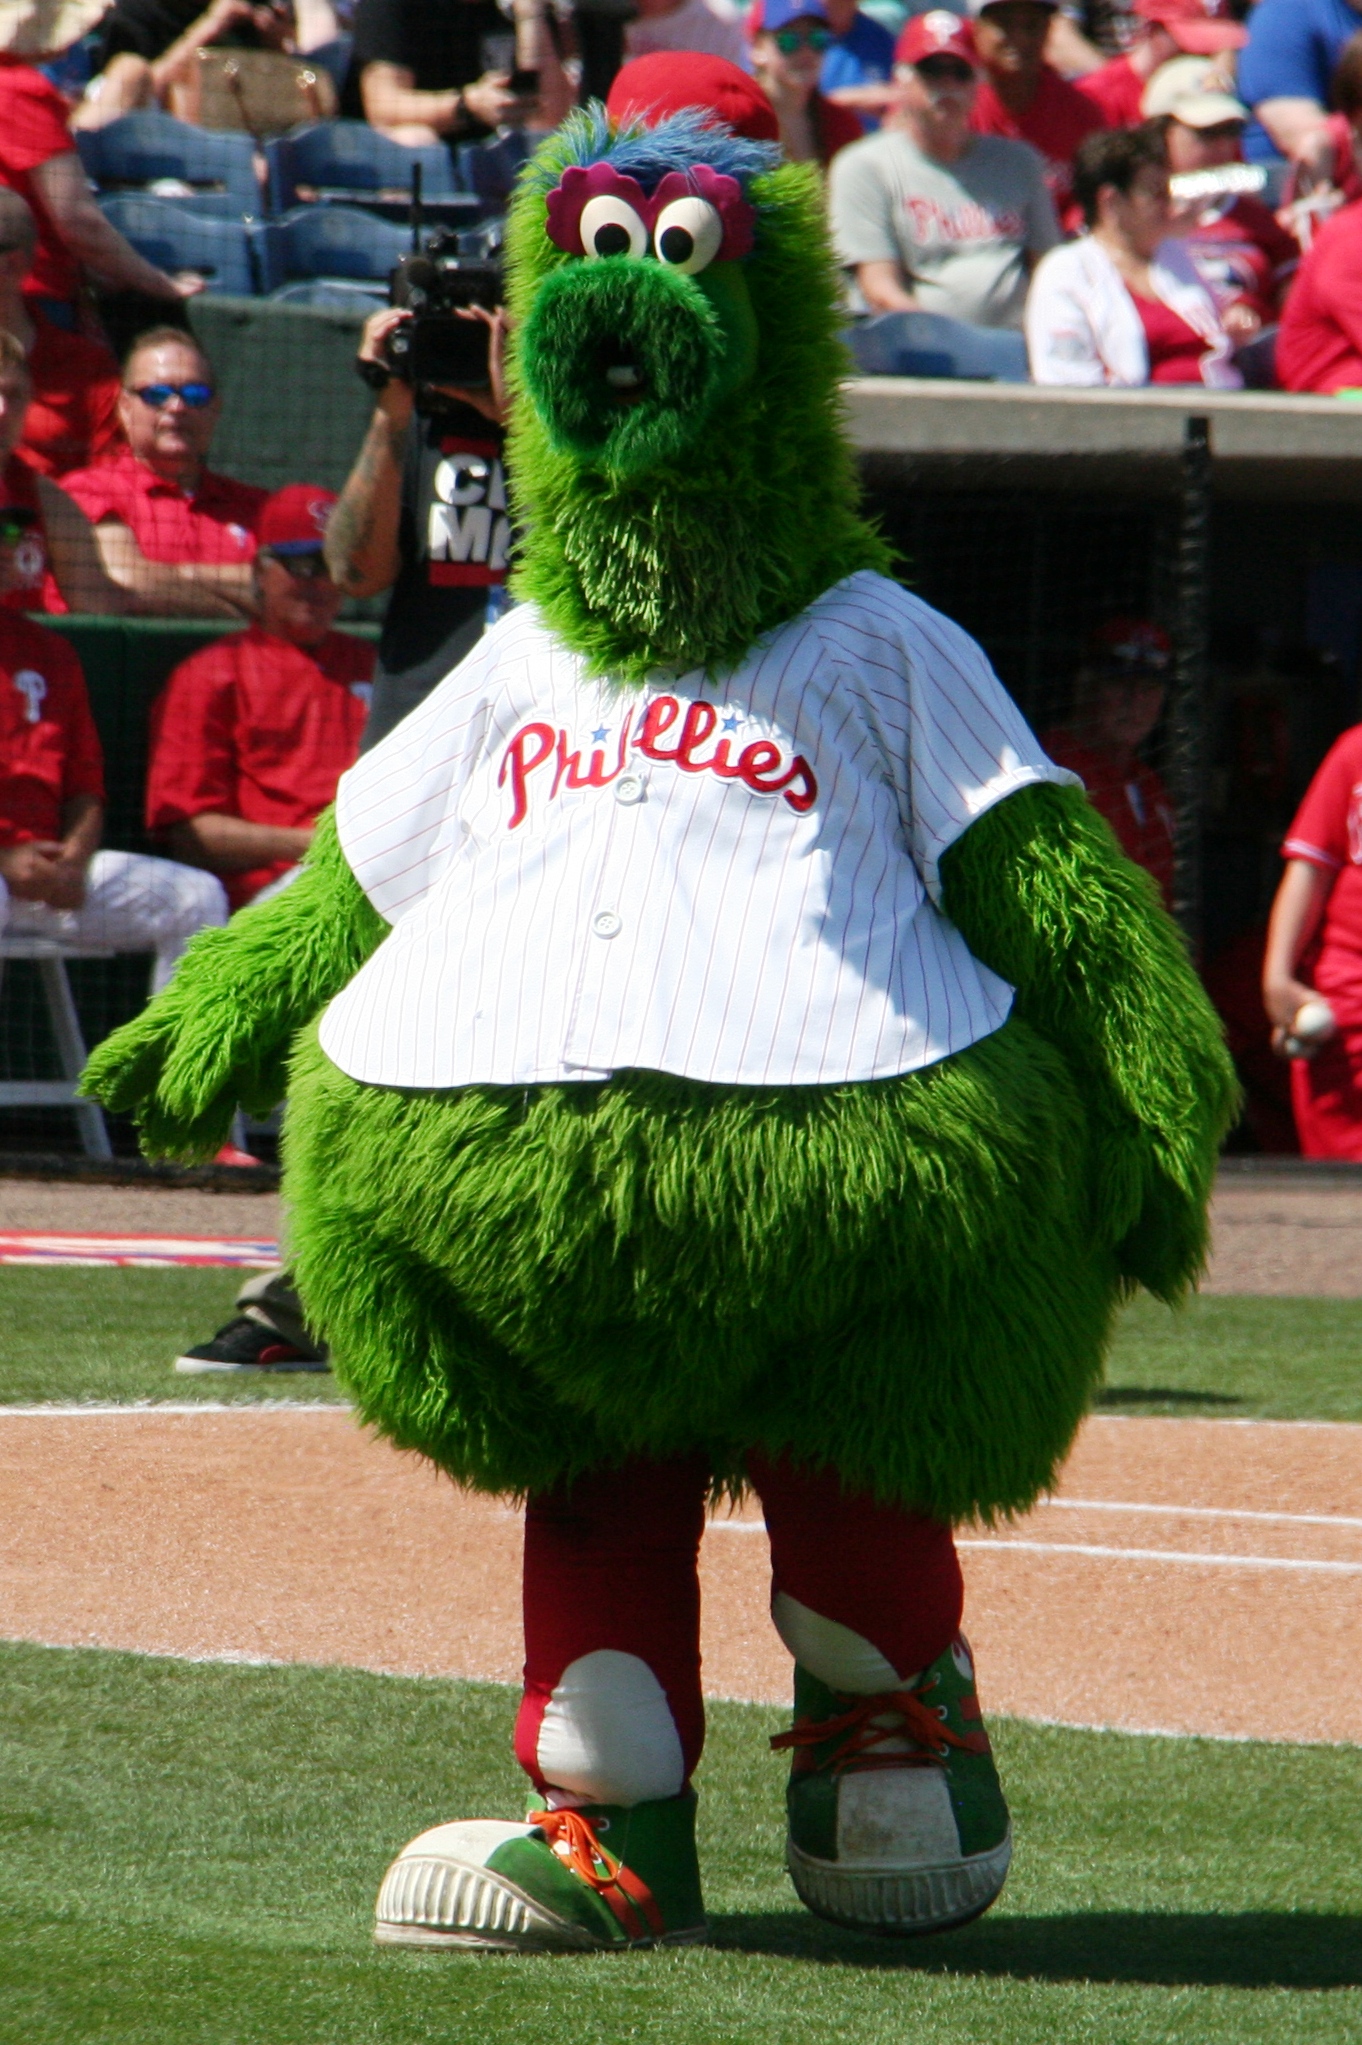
column 1042, row 893
column 220, row 1033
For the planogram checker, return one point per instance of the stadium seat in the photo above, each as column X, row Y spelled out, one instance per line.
column 171, row 236
column 132, row 154
column 327, row 241
column 350, row 160
column 931, row 344
column 50, row 959
column 333, row 294
column 491, row 168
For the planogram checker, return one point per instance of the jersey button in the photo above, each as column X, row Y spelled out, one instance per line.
column 629, row 789
column 607, row 924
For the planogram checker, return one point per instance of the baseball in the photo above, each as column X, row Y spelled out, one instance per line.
column 1313, row 1022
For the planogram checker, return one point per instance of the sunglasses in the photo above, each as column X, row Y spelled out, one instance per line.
column 788, row 40
column 309, row 567
column 15, row 521
column 945, row 71
column 158, row 395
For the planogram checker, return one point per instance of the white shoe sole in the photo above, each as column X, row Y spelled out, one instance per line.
column 436, row 1903
column 905, row 1901
column 207, row 1366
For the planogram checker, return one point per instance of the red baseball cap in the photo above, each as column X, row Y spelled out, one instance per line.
column 1198, row 27
column 937, row 33
column 1131, row 646
column 649, row 89
column 294, row 520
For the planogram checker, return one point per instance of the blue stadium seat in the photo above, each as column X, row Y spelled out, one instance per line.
column 491, row 168
column 327, row 241
column 932, row 344
column 352, row 159
column 178, row 239
column 133, row 153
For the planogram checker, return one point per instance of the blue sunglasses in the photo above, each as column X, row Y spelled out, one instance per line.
column 159, row 395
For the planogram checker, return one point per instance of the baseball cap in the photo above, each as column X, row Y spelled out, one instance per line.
column 778, row 14
column 978, row 6
column 1131, row 646
column 935, row 34
column 1199, row 27
column 1179, row 88
column 294, row 520
column 650, row 89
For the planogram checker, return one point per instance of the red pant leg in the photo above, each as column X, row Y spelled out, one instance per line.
column 610, row 1574
column 891, row 1576
column 1326, row 1098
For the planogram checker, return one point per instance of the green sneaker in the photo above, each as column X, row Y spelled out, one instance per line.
column 896, row 1816
column 551, row 1885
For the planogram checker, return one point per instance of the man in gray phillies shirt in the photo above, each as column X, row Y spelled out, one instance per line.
column 929, row 217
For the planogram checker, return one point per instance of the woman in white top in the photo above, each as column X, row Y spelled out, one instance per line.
column 1124, row 304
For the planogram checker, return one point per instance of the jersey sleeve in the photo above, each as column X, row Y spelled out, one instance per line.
column 83, row 762
column 954, row 740
column 861, row 210
column 193, row 767
column 1319, row 829
column 1284, row 57
column 35, row 118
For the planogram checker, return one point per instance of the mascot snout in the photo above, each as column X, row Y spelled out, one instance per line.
column 624, row 360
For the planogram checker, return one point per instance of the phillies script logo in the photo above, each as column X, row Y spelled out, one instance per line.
column 760, row 765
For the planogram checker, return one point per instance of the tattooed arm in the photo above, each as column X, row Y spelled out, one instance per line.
column 361, row 537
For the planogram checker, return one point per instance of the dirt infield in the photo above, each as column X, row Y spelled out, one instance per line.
column 1189, row 1576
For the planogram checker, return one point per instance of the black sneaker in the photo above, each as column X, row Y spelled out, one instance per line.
column 246, row 1345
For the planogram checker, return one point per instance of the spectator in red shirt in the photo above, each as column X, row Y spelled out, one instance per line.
column 1319, row 344
column 249, row 737
column 1314, row 952
column 38, row 161
column 1120, row 693
column 54, row 880
column 787, row 59
column 1168, row 29
column 1238, row 245
column 73, row 409
column 1025, row 99
column 157, row 495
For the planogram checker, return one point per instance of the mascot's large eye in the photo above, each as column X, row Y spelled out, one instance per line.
column 688, row 235
column 610, row 227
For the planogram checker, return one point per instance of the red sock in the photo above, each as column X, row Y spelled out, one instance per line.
column 889, row 1575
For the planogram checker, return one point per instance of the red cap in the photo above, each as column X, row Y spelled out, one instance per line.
column 649, row 89
column 1131, row 646
column 1201, row 28
column 294, row 519
column 938, row 33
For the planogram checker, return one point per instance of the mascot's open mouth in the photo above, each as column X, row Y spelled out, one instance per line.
column 623, row 372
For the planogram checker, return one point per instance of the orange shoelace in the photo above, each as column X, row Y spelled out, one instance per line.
column 574, row 1839
column 860, row 1734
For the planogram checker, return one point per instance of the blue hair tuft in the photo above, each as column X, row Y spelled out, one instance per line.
column 648, row 154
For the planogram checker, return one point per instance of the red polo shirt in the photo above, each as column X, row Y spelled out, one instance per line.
column 33, row 129
column 72, row 416
column 1054, row 124
column 1116, row 90
column 1135, row 804
column 215, row 524
column 254, row 727
column 1319, row 342
column 49, row 748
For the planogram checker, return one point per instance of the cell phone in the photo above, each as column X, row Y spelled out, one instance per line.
column 524, row 84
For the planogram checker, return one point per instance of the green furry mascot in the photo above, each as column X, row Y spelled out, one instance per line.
column 721, row 1050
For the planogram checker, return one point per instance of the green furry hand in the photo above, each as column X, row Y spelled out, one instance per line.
column 1042, row 893
column 219, row 1035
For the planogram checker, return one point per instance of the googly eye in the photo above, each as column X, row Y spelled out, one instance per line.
column 610, row 227
column 688, row 235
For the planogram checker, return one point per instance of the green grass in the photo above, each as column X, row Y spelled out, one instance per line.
column 189, row 1855
column 76, row 1333
column 82, row 1334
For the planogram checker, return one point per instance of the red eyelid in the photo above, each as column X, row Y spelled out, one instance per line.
column 579, row 184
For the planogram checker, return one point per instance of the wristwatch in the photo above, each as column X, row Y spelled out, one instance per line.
column 376, row 374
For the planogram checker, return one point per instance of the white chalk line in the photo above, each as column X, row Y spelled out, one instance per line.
column 1204, row 1512
column 1114, row 1554
column 95, row 1410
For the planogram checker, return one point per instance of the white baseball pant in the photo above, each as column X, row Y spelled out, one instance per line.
column 133, row 903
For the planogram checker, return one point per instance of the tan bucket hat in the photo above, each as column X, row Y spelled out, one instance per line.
column 40, row 28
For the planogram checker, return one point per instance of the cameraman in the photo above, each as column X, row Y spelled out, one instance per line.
column 424, row 514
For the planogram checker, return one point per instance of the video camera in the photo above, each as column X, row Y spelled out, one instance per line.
column 444, row 274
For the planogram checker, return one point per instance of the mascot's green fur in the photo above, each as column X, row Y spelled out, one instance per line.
column 912, row 1279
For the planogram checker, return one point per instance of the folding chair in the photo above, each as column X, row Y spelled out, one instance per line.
column 50, row 959
column 131, row 154
column 176, row 239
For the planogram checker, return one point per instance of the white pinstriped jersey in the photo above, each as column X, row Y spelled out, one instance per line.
column 732, row 879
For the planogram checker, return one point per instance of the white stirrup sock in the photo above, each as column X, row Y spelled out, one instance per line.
column 838, row 1657
column 607, row 1735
